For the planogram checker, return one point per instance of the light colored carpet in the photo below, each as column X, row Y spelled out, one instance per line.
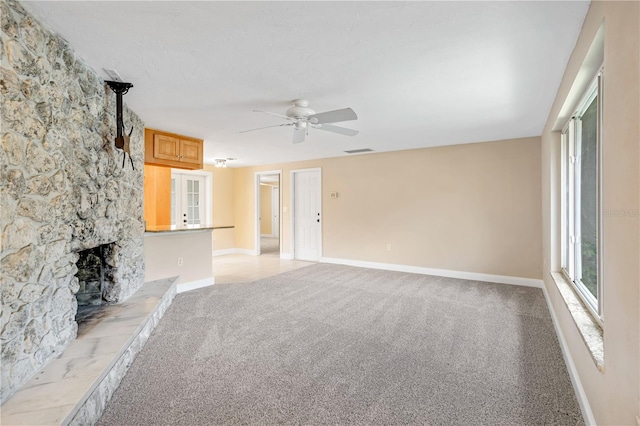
column 328, row 344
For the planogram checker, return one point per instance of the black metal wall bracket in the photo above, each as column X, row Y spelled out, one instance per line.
column 122, row 139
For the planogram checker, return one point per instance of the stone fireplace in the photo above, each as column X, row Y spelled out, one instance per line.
column 64, row 191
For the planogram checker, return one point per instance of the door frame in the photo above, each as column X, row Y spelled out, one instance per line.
column 275, row 207
column 292, row 214
column 207, row 191
column 256, row 211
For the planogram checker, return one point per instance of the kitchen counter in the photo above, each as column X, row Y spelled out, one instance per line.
column 172, row 228
column 183, row 252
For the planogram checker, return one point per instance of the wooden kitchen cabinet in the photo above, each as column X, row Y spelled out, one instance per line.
column 170, row 149
column 157, row 195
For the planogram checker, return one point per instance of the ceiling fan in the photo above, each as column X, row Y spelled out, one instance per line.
column 301, row 117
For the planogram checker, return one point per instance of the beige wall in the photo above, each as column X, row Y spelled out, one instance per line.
column 265, row 209
column 223, row 210
column 472, row 208
column 614, row 395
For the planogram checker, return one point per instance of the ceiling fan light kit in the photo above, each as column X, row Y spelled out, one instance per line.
column 301, row 117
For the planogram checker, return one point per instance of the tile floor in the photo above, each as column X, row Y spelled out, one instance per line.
column 270, row 246
column 240, row 268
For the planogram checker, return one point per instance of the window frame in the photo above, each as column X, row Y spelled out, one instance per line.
column 570, row 249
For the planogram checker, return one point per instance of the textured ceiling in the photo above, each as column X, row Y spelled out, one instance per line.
column 418, row 74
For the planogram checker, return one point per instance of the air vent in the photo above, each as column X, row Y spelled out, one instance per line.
column 358, row 151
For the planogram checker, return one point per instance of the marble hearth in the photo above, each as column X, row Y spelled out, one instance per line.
column 75, row 388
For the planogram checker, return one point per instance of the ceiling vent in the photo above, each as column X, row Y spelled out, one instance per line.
column 358, row 151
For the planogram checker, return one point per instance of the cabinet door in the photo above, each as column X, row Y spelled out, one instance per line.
column 190, row 152
column 166, row 147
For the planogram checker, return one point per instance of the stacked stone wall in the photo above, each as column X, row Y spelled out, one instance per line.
column 63, row 190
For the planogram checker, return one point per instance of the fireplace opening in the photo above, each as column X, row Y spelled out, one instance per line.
column 92, row 282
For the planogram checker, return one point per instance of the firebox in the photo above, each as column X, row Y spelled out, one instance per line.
column 92, row 280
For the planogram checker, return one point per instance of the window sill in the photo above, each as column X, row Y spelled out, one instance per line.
column 589, row 329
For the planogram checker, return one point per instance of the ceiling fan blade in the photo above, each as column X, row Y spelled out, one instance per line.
column 266, row 127
column 273, row 113
column 336, row 129
column 298, row 135
column 335, row 116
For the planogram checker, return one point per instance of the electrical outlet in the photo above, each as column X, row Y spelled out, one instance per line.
column 180, row 261
column 388, row 246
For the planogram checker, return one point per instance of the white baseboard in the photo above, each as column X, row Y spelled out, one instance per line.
column 224, row 252
column 581, row 396
column 287, row 256
column 192, row 285
column 502, row 279
column 266, row 235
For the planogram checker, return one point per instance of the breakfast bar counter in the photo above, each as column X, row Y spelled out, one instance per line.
column 183, row 252
column 173, row 228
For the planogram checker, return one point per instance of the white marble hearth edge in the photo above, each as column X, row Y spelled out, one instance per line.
column 75, row 388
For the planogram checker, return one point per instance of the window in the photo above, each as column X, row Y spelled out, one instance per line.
column 581, row 239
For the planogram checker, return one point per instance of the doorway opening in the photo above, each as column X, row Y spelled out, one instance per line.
column 268, row 208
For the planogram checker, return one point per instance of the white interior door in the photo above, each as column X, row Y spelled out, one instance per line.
column 188, row 200
column 275, row 215
column 307, row 208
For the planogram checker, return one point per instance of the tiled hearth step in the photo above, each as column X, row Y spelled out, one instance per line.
column 75, row 388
